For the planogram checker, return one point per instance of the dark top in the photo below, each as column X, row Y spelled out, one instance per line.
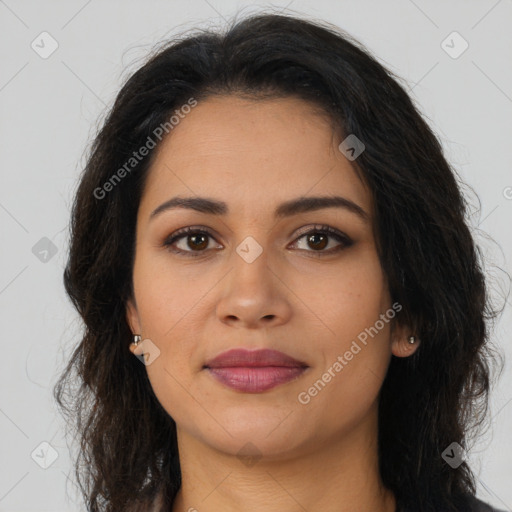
column 476, row 506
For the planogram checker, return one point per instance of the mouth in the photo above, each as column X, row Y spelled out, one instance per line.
column 255, row 379
column 254, row 371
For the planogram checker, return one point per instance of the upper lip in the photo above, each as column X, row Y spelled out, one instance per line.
column 252, row 358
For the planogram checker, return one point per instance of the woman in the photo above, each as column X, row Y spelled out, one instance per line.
column 268, row 224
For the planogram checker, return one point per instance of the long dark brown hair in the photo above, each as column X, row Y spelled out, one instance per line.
column 127, row 441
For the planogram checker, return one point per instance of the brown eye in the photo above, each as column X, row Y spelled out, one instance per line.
column 197, row 241
column 317, row 240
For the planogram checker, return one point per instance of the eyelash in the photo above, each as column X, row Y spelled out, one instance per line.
column 326, row 230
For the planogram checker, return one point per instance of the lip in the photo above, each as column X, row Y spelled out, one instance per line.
column 240, row 357
column 254, row 371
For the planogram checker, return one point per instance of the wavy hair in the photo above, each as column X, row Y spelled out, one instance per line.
column 128, row 449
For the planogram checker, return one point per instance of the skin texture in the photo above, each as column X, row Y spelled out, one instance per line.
column 316, row 456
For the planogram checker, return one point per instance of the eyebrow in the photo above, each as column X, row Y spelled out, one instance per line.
column 286, row 209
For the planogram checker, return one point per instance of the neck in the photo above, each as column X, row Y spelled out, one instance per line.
column 341, row 475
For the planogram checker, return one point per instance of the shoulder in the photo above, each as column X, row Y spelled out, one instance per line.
column 480, row 506
column 475, row 505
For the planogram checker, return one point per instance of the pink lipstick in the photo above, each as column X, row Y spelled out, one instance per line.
column 254, row 371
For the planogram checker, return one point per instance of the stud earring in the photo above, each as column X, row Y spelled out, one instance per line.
column 412, row 340
column 137, row 339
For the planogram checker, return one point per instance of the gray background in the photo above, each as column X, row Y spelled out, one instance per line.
column 51, row 107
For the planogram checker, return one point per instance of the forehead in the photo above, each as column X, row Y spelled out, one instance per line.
column 253, row 155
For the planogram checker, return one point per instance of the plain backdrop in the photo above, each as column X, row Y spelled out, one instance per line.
column 51, row 106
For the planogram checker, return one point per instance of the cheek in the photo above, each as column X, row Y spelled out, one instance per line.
column 164, row 302
column 356, row 347
column 347, row 298
column 339, row 403
column 165, row 293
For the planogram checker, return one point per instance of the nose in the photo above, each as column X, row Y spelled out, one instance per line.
column 255, row 294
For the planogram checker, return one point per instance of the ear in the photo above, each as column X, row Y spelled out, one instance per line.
column 132, row 317
column 400, row 346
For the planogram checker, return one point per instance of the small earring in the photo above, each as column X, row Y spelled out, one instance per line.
column 412, row 340
column 137, row 339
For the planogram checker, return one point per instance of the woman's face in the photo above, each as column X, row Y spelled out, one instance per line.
column 255, row 281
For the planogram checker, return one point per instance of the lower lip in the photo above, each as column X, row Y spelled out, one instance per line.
column 255, row 379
